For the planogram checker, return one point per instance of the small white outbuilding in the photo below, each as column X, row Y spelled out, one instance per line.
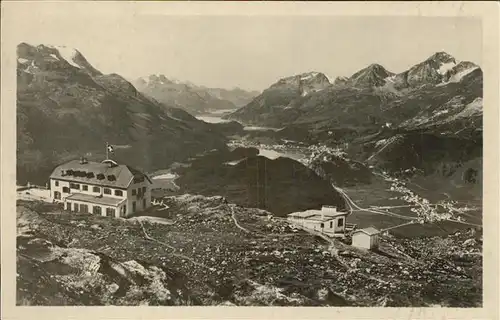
column 367, row 238
column 327, row 220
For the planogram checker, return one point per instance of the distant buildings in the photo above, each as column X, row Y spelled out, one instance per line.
column 327, row 220
column 367, row 238
column 103, row 188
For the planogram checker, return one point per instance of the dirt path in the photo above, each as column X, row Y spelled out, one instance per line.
column 397, row 226
column 233, row 216
column 466, row 223
column 148, row 237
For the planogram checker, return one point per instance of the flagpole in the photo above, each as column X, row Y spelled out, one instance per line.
column 107, row 158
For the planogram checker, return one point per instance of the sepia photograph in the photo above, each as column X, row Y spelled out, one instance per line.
column 287, row 160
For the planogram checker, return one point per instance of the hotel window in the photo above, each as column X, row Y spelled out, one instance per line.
column 107, row 191
column 96, row 189
column 138, row 179
column 144, row 203
column 74, row 186
column 84, row 208
column 57, row 195
column 134, row 192
column 57, row 183
column 96, row 210
column 85, row 188
column 322, row 225
column 68, row 206
column 65, row 189
column 118, row 193
column 110, row 212
column 340, row 223
column 143, row 189
column 76, row 207
column 331, row 224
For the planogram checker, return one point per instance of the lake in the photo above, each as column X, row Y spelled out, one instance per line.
column 216, row 117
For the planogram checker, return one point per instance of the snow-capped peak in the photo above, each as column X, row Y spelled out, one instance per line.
column 442, row 57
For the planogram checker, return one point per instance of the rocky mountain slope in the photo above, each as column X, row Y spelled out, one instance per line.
column 374, row 75
column 274, row 100
column 66, row 109
column 237, row 96
column 210, row 252
column 190, row 97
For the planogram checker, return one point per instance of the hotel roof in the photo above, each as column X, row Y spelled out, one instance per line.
column 98, row 173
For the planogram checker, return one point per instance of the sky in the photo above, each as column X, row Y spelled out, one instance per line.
column 252, row 52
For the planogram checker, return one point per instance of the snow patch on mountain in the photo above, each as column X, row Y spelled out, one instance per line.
column 31, row 68
column 441, row 112
column 67, row 54
column 330, row 79
column 473, row 108
column 390, row 79
column 308, row 76
column 445, row 67
column 457, row 77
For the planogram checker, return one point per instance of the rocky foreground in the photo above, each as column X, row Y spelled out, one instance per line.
column 206, row 251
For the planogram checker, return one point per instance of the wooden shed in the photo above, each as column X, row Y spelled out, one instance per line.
column 367, row 238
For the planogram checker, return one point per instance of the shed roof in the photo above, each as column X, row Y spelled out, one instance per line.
column 369, row 231
column 303, row 214
column 118, row 175
column 109, row 201
column 311, row 213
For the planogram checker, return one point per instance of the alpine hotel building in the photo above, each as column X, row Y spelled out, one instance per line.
column 103, row 188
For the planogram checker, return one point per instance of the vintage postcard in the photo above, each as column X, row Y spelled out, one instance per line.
column 202, row 159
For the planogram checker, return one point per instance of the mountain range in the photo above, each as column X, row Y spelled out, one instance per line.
column 371, row 93
column 190, row 97
column 66, row 109
column 418, row 117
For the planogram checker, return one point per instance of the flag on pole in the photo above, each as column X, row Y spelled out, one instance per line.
column 110, row 148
